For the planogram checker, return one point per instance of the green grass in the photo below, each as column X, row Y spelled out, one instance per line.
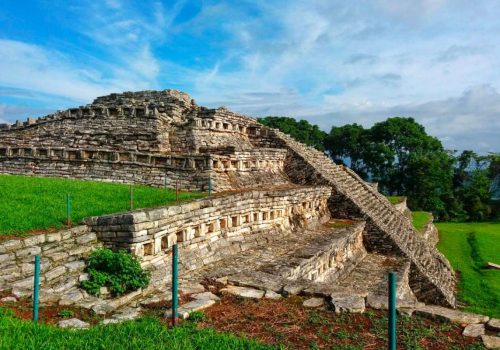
column 468, row 246
column 29, row 203
column 395, row 199
column 420, row 218
column 145, row 333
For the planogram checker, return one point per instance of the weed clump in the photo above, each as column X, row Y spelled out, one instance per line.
column 119, row 271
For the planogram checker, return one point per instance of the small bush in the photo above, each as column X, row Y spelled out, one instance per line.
column 119, row 271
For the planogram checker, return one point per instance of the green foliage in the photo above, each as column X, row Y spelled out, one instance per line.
column 468, row 246
column 399, row 155
column 40, row 203
column 420, row 218
column 395, row 199
column 197, row 316
column 301, row 131
column 65, row 313
column 119, row 271
column 142, row 334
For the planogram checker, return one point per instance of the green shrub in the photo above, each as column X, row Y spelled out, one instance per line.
column 119, row 271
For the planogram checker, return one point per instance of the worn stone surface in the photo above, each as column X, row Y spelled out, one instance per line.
column 491, row 342
column 73, row 323
column 195, row 305
column 8, row 300
column 474, row 330
column 314, row 302
column 348, row 303
column 205, row 296
column 272, row 295
column 71, row 298
column 243, row 292
column 445, row 314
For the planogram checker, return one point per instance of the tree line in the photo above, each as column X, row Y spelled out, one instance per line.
column 406, row 161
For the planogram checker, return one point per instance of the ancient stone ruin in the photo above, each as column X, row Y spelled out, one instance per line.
column 287, row 219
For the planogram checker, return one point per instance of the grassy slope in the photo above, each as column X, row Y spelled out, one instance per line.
column 394, row 199
column 420, row 218
column 29, row 203
column 146, row 333
column 468, row 246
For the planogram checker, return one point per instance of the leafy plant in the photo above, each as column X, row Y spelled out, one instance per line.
column 119, row 271
column 65, row 313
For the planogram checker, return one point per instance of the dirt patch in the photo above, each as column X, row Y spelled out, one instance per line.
column 50, row 314
column 287, row 323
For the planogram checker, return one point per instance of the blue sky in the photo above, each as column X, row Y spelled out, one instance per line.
column 330, row 62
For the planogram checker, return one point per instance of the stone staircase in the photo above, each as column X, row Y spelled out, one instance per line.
column 388, row 231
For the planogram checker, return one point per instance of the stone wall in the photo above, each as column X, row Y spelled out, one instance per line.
column 62, row 261
column 196, row 224
column 227, row 171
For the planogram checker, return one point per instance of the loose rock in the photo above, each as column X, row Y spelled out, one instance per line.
column 474, row 330
column 73, row 323
column 348, row 303
column 491, row 342
column 314, row 302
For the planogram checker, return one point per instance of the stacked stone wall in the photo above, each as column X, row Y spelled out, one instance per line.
column 193, row 225
column 62, row 261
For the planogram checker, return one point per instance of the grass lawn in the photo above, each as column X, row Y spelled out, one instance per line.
column 395, row 199
column 145, row 333
column 29, row 203
column 468, row 246
column 420, row 218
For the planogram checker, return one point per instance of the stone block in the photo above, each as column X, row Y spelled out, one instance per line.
column 54, row 273
column 450, row 315
column 491, row 342
column 474, row 330
column 87, row 238
column 11, row 245
column 314, row 302
column 348, row 303
column 493, row 325
column 28, row 252
column 243, row 292
column 73, row 323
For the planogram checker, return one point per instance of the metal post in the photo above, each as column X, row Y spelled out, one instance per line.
column 165, row 183
column 392, row 311
column 36, row 287
column 175, row 277
column 176, row 190
column 209, row 186
column 68, row 210
column 131, row 198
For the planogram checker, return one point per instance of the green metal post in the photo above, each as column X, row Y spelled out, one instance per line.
column 68, row 209
column 176, row 190
column 36, row 287
column 131, row 198
column 175, row 278
column 209, row 186
column 392, row 311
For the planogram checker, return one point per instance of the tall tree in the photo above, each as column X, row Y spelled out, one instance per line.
column 302, row 130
